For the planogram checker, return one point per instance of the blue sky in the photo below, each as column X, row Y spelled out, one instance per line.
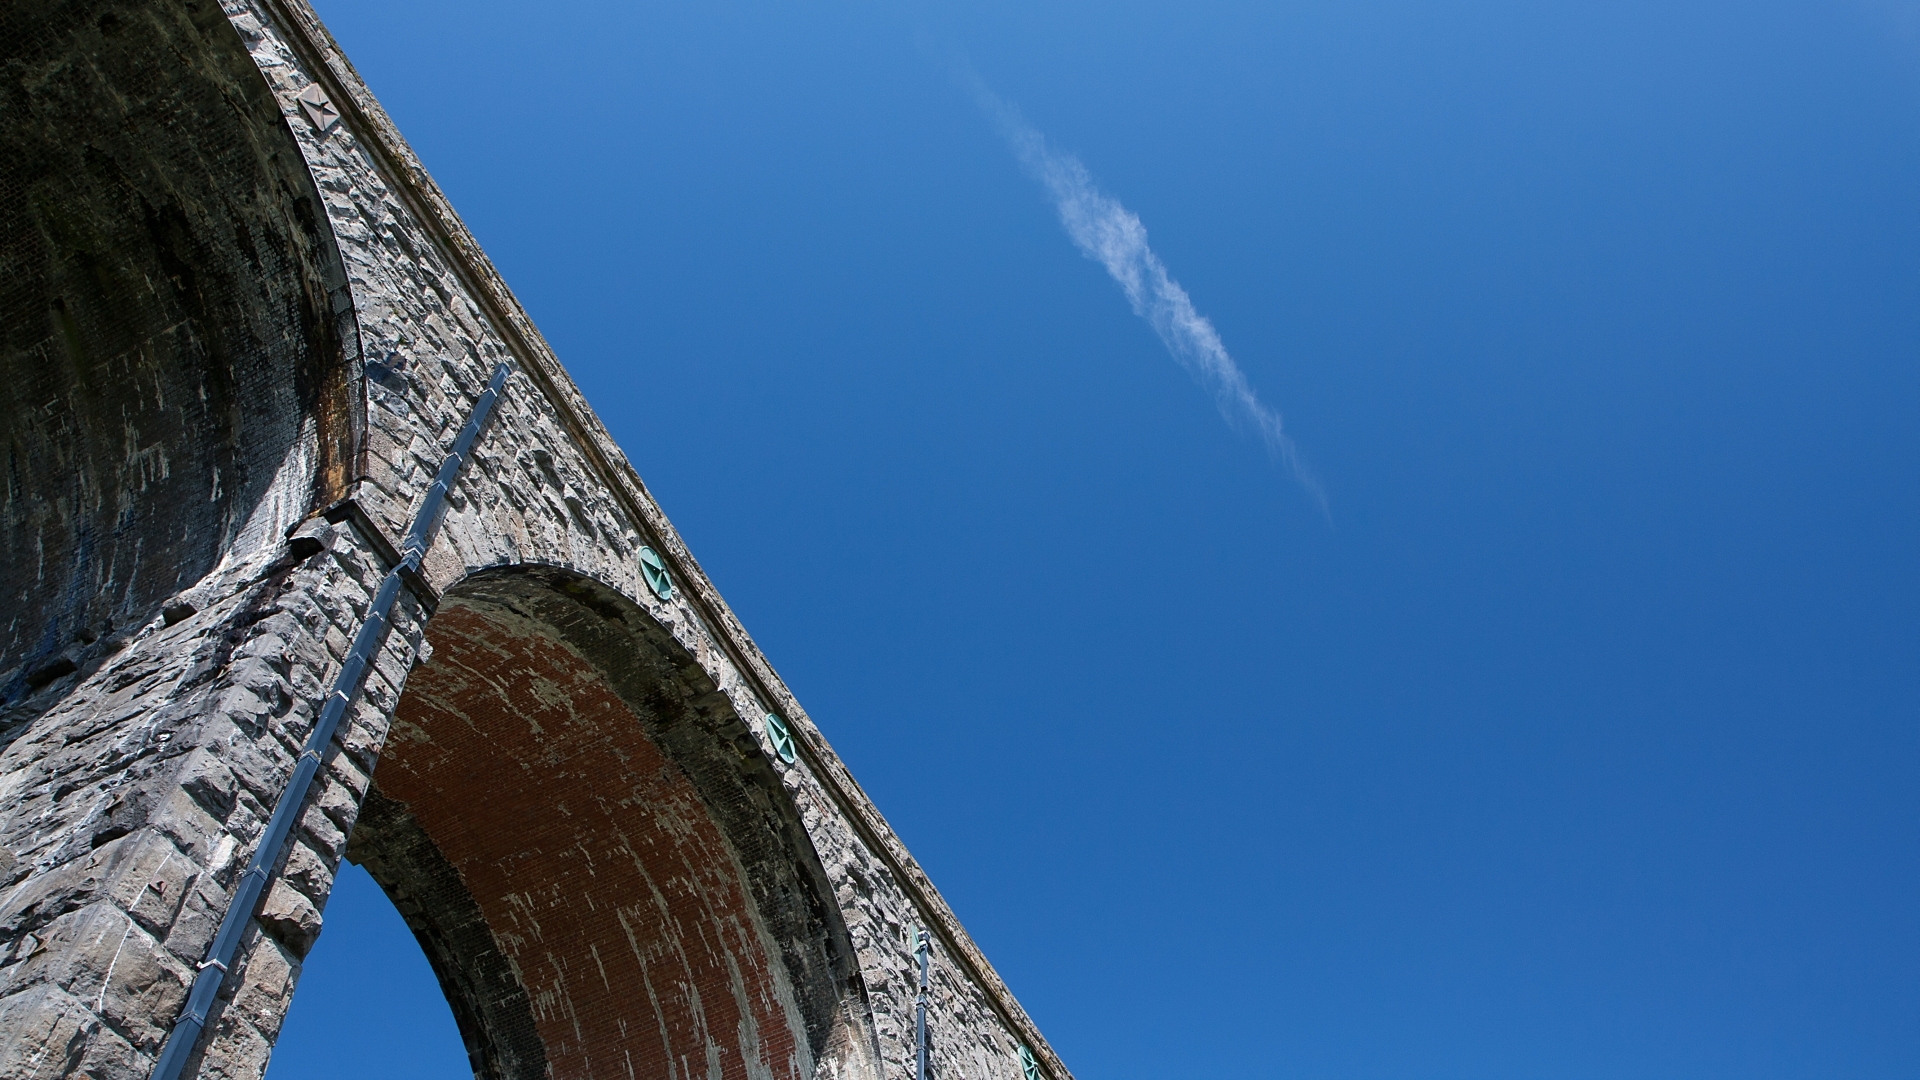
column 1576, row 738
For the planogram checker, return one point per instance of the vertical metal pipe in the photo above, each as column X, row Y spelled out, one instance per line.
column 923, row 948
column 186, row 1032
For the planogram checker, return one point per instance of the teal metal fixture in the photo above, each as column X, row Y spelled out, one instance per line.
column 654, row 569
column 1028, row 1065
column 781, row 736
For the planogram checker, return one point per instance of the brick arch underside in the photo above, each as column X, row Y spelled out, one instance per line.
column 607, row 886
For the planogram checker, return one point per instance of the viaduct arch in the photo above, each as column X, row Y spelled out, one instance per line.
column 239, row 329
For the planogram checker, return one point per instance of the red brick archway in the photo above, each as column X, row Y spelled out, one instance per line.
column 591, row 861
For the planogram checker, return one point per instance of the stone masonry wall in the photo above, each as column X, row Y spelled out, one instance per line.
column 132, row 806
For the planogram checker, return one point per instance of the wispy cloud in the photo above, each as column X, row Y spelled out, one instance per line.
column 1111, row 235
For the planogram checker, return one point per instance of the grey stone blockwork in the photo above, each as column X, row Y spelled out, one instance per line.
column 132, row 802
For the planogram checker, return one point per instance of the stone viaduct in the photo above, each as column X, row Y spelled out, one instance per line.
column 242, row 331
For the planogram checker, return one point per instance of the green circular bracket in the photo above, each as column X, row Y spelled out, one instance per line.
column 1028, row 1065
column 781, row 736
column 654, row 569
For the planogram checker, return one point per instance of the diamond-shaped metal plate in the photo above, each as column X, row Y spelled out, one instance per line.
column 654, row 569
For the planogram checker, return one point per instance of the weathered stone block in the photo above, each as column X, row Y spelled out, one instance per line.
column 209, row 781
column 326, row 838
column 101, row 956
column 289, row 919
column 125, row 871
column 46, row 1032
column 184, row 822
column 236, row 1050
column 307, row 871
column 197, row 921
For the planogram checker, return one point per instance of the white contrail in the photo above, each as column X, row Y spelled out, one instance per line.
column 1112, row 235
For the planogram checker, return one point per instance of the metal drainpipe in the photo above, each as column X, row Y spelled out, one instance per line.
column 186, row 1032
column 923, row 948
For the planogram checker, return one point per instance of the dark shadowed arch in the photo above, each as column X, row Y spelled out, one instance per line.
column 170, row 352
column 602, row 866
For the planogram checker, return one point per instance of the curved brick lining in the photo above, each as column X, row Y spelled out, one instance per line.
column 167, row 326
column 608, row 887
